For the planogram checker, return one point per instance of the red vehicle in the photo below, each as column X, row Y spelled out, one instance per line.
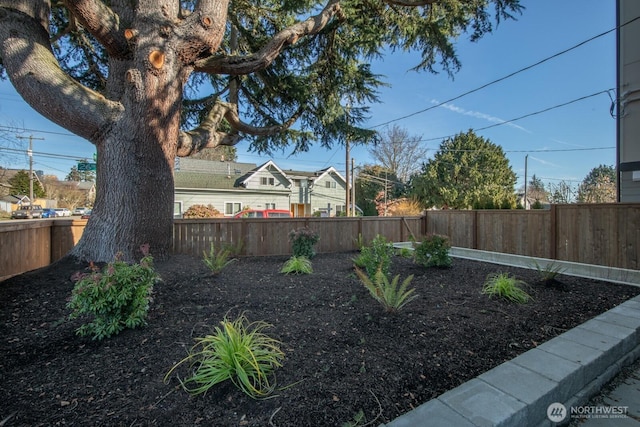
column 263, row 213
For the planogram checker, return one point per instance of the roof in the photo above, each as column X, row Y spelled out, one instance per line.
column 203, row 180
column 242, row 181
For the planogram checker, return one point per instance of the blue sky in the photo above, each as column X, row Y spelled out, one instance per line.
column 564, row 143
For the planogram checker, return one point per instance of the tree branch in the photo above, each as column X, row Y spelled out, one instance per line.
column 207, row 136
column 102, row 23
column 240, row 65
column 37, row 76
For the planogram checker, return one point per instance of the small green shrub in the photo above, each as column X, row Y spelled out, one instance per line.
column 297, row 265
column 433, row 251
column 238, row 351
column 392, row 297
column 504, row 286
column 376, row 256
column 216, row 261
column 114, row 299
column 303, row 241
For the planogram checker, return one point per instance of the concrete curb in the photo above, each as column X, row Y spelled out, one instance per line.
column 589, row 271
column 568, row 369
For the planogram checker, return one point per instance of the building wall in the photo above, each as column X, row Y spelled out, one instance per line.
column 629, row 101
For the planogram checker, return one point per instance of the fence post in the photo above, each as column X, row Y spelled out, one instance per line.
column 553, row 232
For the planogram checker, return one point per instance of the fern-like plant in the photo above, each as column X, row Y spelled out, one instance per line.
column 389, row 294
column 297, row 265
column 217, row 260
column 238, row 351
column 504, row 286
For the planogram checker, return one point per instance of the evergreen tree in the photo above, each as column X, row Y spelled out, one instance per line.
column 20, row 185
column 467, row 172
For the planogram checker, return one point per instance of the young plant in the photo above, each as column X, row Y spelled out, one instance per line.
column 376, row 257
column 303, row 241
column 238, row 351
column 433, row 251
column 114, row 299
column 549, row 273
column 297, row 265
column 392, row 297
column 504, row 286
column 216, row 261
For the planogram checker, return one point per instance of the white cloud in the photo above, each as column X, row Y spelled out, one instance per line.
column 479, row 115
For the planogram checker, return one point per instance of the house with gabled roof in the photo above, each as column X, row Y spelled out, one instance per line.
column 230, row 187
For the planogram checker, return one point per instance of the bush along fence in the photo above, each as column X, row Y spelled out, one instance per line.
column 599, row 234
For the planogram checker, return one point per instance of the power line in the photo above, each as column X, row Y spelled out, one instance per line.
column 564, row 104
column 508, row 75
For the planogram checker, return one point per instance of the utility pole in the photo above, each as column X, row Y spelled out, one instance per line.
column 526, row 160
column 346, row 163
column 30, row 154
column 353, row 187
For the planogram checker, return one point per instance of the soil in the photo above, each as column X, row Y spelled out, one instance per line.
column 347, row 361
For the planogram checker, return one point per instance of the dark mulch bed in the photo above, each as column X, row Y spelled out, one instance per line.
column 344, row 355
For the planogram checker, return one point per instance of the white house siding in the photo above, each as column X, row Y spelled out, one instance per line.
column 324, row 198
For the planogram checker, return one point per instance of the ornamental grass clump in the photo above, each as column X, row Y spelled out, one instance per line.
column 297, row 265
column 238, row 351
column 504, row 286
column 217, row 260
column 115, row 298
column 549, row 273
column 392, row 297
column 303, row 241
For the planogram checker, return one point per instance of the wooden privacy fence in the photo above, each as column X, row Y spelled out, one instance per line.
column 601, row 234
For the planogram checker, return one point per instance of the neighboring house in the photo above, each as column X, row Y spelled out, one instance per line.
column 230, row 187
column 11, row 203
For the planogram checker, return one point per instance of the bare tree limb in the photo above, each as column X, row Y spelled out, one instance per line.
column 37, row 76
column 102, row 23
column 240, row 65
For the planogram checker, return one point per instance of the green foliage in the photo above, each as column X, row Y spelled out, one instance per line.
column 216, row 261
column 359, row 241
column 238, row 351
column 549, row 272
column 599, row 186
column 504, row 286
column 371, row 182
column 392, row 297
column 20, row 185
column 114, row 299
column 302, row 242
column 433, row 251
column 467, row 171
column 297, row 265
column 376, row 256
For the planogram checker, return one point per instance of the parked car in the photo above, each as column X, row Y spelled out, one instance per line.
column 49, row 213
column 87, row 214
column 62, row 212
column 80, row 210
column 263, row 213
column 27, row 211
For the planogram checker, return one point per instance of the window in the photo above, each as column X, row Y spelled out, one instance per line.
column 267, row 181
column 330, row 184
column 231, row 208
column 269, row 205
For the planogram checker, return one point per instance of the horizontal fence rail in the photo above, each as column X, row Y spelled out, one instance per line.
column 599, row 234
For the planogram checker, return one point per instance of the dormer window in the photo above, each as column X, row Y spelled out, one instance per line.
column 268, row 181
